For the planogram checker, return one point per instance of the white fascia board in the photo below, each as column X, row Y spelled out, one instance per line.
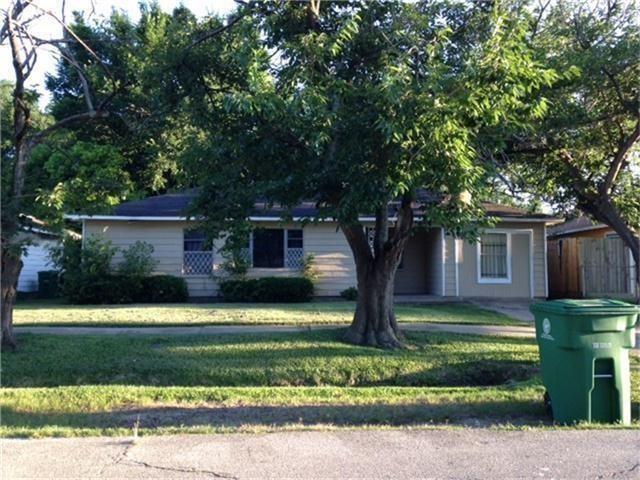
column 546, row 221
column 129, row 218
column 122, row 218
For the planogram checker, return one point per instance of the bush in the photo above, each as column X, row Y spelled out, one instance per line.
column 138, row 260
column 85, row 289
column 238, row 290
column 87, row 276
column 164, row 289
column 267, row 290
column 97, row 254
column 48, row 284
column 350, row 293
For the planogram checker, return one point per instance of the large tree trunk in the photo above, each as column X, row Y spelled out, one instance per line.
column 374, row 322
column 11, row 267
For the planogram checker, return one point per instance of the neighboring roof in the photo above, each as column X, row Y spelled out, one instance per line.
column 174, row 206
column 575, row 225
column 507, row 211
column 34, row 226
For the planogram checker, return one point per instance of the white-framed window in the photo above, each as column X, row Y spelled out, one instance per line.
column 197, row 256
column 494, row 257
column 277, row 248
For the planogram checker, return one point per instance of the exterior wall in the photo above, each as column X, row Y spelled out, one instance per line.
column 35, row 260
column 421, row 271
column 528, row 265
column 426, row 259
column 333, row 259
column 167, row 241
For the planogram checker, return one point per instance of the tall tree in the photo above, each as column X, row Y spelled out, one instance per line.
column 143, row 125
column 362, row 108
column 23, row 43
column 584, row 154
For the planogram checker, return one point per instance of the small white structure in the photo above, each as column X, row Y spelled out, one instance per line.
column 36, row 259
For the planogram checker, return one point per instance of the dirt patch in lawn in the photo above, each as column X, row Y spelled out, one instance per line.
column 338, row 415
column 488, row 373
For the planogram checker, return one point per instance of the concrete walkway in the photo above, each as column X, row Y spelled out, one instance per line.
column 398, row 453
column 498, row 330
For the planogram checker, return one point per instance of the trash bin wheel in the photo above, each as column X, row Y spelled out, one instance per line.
column 547, row 403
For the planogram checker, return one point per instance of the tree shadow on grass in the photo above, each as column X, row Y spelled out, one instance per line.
column 311, row 359
column 248, row 418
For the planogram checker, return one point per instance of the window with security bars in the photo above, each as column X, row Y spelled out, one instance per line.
column 198, row 254
column 494, row 261
column 295, row 249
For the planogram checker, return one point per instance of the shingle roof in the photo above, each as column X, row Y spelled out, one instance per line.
column 177, row 204
column 578, row 224
column 167, row 205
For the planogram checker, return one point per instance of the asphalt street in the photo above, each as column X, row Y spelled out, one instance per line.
column 443, row 453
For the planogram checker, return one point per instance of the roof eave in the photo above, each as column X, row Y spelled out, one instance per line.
column 256, row 218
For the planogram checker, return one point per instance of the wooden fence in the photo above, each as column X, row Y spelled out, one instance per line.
column 590, row 267
column 607, row 268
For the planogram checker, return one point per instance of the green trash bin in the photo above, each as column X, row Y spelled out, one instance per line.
column 584, row 355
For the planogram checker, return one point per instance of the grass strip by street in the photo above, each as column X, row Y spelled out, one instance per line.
column 116, row 409
column 127, row 410
column 37, row 313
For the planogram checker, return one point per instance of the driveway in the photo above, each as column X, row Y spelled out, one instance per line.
column 403, row 453
column 518, row 309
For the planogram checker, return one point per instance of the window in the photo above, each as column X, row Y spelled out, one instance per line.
column 494, row 258
column 295, row 249
column 268, row 248
column 277, row 248
column 198, row 254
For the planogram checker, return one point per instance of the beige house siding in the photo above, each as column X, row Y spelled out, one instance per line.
column 167, row 241
column 334, row 263
column 421, row 268
column 526, row 268
column 333, row 259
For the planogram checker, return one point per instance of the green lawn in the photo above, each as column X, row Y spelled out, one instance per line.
column 316, row 358
column 90, row 385
column 338, row 312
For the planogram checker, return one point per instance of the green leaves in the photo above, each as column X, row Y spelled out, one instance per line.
column 345, row 35
column 589, row 110
column 77, row 176
column 366, row 105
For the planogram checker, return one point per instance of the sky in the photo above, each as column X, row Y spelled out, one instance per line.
column 95, row 10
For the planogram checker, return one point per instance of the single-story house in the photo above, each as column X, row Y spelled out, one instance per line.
column 588, row 259
column 509, row 261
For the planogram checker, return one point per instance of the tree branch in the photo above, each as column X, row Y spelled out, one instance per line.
column 219, row 30
column 618, row 162
column 626, row 104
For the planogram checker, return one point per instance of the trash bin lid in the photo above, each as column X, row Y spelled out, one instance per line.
column 600, row 306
